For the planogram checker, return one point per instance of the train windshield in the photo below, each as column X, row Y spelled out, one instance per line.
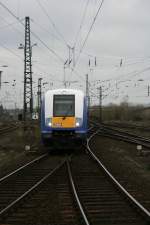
column 64, row 105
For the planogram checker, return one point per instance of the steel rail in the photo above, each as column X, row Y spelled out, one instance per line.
column 7, row 129
column 22, row 167
column 12, row 204
column 130, row 126
column 76, row 194
column 123, row 135
column 121, row 188
column 90, row 128
column 127, row 133
column 127, row 138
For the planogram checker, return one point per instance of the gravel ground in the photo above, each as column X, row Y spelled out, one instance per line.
column 126, row 165
column 12, row 151
column 120, row 157
column 138, row 131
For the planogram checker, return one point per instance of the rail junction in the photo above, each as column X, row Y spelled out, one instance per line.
column 76, row 189
column 8, row 128
column 119, row 134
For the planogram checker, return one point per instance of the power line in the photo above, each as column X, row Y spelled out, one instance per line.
column 10, row 12
column 35, row 35
column 51, row 21
column 81, row 49
column 51, row 50
column 44, row 72
column 35, row 66
column 18, row 7
column 12, row 52
column 87, row 36
column 134, row 74
column 82, row 21
column 14, row 29
column 81, row 78
column 44, row 29
column 9, row 24
column 131, row 74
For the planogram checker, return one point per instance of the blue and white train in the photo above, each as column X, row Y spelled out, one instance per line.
column 63, row 117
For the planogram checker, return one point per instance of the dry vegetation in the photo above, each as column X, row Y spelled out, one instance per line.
column 122, row 112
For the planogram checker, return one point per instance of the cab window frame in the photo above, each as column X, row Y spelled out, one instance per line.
column 73, row 103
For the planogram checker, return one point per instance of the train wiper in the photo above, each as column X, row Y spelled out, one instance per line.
column 67, row 112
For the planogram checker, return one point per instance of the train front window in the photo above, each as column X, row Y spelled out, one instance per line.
column 64, row 105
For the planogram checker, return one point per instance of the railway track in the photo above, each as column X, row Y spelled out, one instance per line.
column 120, row 125
column 77, row 189
column 102, row 202
column 7, row 129
column 108, row 131
column 15, row 186
column 127, row 199
column 128, row 126
column 43, row 188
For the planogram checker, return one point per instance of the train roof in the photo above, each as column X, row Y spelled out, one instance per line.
column 64, row 91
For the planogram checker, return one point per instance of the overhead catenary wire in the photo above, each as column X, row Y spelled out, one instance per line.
column 85, row 40
column 82, row 22
column 45, row 72
column 22, row 60
column 51, row 50
column 12, row 52
column 117, row 81
column 87, row 36
column 18, row 8
column 132, row 74
column 45, row 30
column 120, row 70
column 34, row 34
column 113, row 88
column 52, row 22
column 9, row 24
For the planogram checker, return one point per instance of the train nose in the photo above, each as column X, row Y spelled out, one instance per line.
column 63, row 122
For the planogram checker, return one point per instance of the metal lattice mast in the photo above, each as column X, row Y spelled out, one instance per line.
column 28, row 95
column 87, row 90
column 100, row 104
column 39, row 93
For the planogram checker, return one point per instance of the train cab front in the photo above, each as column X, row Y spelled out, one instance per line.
column 63, row 127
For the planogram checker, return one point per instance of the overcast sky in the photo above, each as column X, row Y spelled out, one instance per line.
column 119, row 39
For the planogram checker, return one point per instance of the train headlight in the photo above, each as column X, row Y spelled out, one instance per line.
column 49, row 122
column 78, row 122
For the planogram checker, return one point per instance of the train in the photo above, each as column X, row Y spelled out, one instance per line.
column 64, row 117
